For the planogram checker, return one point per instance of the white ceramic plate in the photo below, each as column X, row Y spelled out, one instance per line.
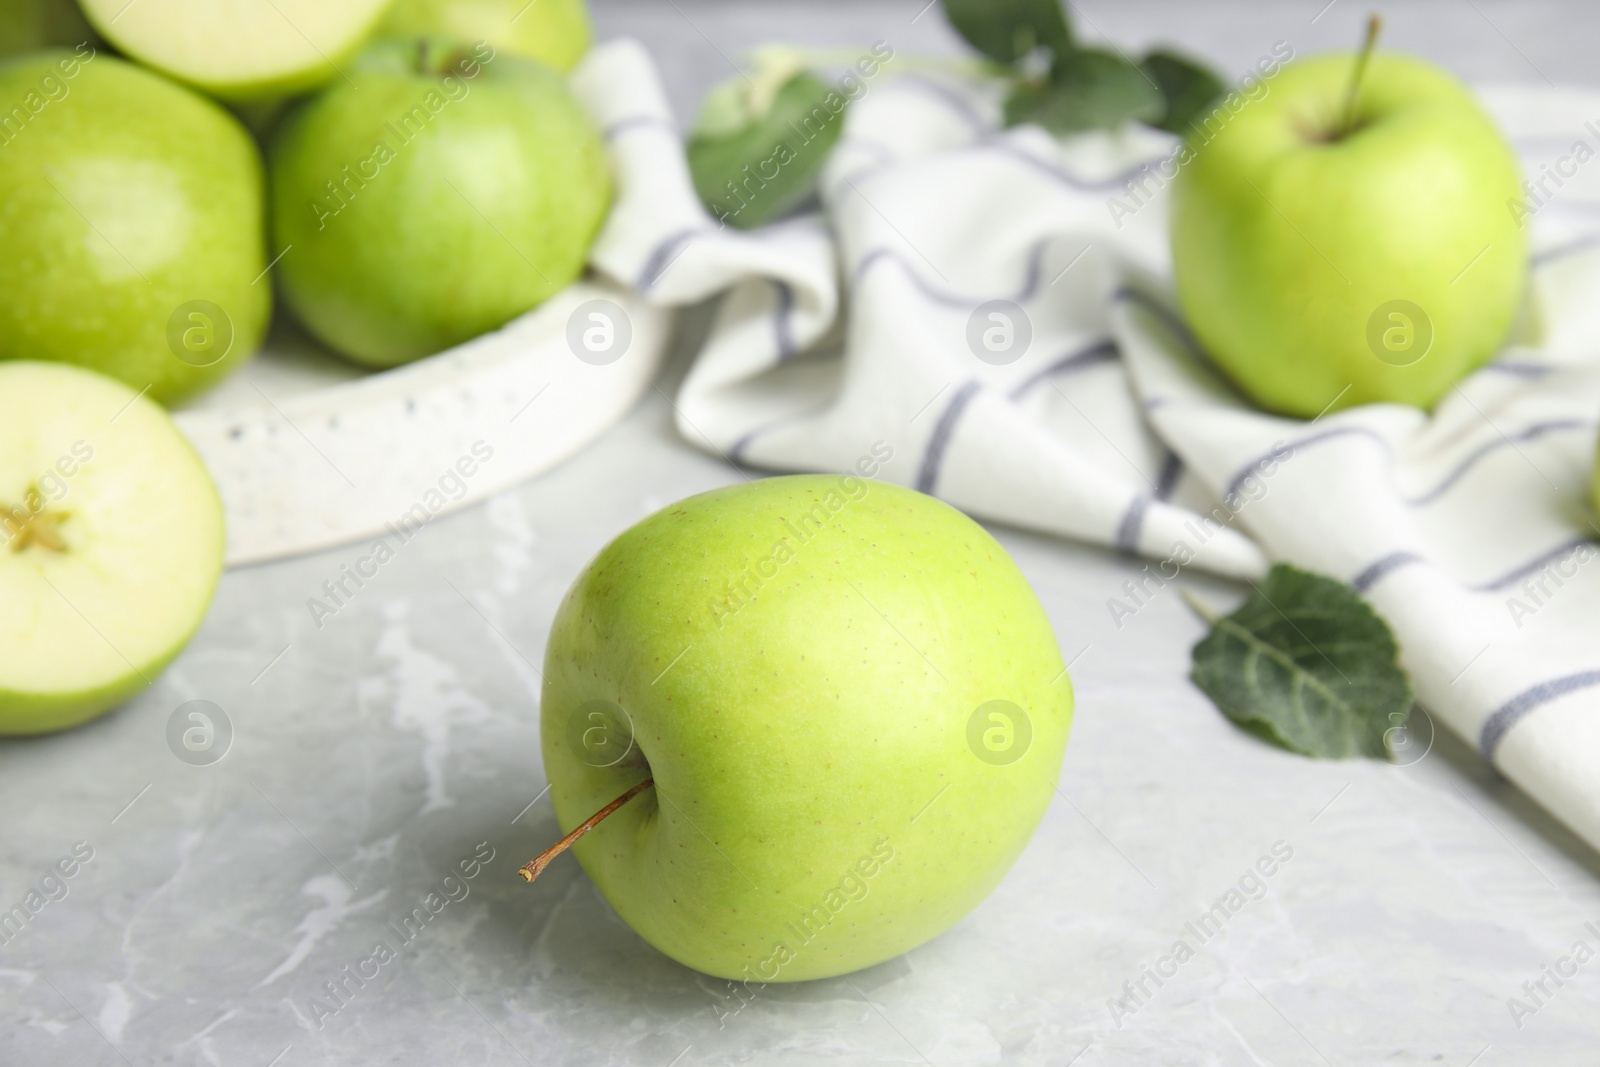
column 310, row 452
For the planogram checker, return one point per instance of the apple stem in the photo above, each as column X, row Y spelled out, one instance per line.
column 1352, row 96
column 535, row 867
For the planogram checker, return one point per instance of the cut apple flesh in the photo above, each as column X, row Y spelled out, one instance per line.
column 111, row 542
column 239, row 49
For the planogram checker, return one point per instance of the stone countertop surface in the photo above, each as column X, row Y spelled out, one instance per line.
column 211, row 904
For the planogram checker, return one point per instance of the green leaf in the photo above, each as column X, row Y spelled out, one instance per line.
column 1008, row 30
column 1188, row 88
column 1088, row 90
column 750, row 168
column 1306, row 663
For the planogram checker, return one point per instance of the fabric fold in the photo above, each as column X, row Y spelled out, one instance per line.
column 992, row 308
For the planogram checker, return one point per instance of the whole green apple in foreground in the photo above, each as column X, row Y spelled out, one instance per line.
column 554, row 32
column 1379, row 264
column 111, row 544
column 851, row 704
column 240, row 50
column 131, row 225
column 450, row 190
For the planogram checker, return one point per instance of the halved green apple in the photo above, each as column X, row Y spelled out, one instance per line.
column 111, row 542
column 240, row 50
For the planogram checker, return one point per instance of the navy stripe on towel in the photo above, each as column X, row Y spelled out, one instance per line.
column 1033, row 273
column 1376, row 572
column 1534, row 565
column 666, row 253
column 1132, row 524
column 933, row 456
column 1167, row 481
column 1514, row 710
column 1099, row 352
column 1293, row 449
column 1532, row 433
column 782, row 320
column 1560, row 252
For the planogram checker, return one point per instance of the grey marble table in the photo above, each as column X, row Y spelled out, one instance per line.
column 215, row 913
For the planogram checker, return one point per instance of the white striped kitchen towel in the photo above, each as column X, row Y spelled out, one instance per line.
column 972, row 304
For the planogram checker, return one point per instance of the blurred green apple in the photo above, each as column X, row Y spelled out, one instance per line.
column 442, row 195
column 29, row 25
column 554, row 32
column 111, row 543
column 131, row 224
column 240, row 49
column 848, row 702
column 1321, row 262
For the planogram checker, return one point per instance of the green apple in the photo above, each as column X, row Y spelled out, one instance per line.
column 1324, row 261
column 442, row 195
column 131, row 224
column 1594, row 487
column 111, row 544
column 28, row 25
column 554, row 32
column 240, row 49
column 851, row 706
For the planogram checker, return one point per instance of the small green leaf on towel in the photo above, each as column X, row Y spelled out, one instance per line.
column 1010, row 30
column 754, row 158
column 1087, row 90
column 1188, row 88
